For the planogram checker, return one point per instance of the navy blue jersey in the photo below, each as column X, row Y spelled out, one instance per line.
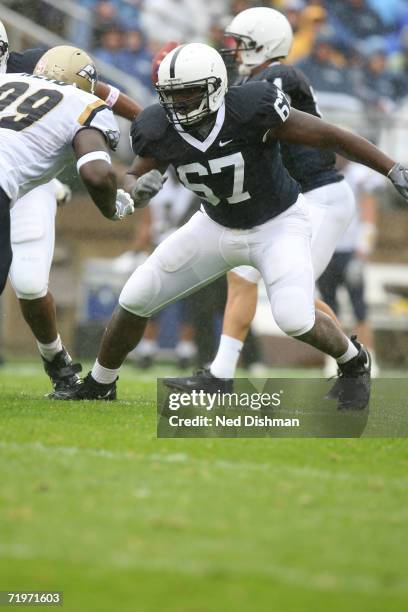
column 240, row 179
column 311, row 167
column 25, row 61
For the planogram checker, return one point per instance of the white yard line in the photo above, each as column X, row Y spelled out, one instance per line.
column 315, row 473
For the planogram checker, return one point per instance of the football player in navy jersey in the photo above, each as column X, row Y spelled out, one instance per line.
column 262, row 38
column 33, row 234
column 224, row 145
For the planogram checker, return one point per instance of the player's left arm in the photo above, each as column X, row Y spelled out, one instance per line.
column 95, row 168
column 120, row 103
column 144, row 180
column 302, row 128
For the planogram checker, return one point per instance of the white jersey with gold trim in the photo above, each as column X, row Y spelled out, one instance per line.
column 39, row 119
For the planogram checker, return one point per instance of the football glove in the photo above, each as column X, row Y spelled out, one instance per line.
column 398, row 176
column 63, row 193
column 124, row 205
column 147, row 186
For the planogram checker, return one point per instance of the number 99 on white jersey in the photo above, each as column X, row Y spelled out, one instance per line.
column 39, row 119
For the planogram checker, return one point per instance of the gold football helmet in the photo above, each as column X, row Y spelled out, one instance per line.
column 68, row 64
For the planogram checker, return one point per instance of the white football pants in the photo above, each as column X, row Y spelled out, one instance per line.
column 331, row 209
column 203, row 250
column 32, row 241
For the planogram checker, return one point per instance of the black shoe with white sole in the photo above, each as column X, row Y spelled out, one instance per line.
column 88, row 389
column 201, row 380
column 352, row 387
column 62, row 371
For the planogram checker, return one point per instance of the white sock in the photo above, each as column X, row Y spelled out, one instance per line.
column 48, row 351
column 146, row 348
column 349, row 354
column 104, row 375
column 186, row 349
column 226, row 359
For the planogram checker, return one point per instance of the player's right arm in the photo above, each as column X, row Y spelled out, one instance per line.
column 119, row 102
column 144, row 179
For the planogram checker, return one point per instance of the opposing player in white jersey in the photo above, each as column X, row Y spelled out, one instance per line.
column 33, row 230
column 44, row 125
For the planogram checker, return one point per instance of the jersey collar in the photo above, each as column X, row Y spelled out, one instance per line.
column 204, row 145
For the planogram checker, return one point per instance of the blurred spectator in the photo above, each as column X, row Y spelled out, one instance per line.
column 293, row 11
column 390, row 11
column 399, row 65
column 355, row 19
column 216, row 36
column 105, row 17
column 378, row 83
column 126, row 33
column 135, row 59
column 111, row 45
column 326, row 75
column 185, row 20
column 237, row 6
column 311, row 21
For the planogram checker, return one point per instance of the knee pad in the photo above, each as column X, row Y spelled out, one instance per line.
column 293, row 311
column 140, row 292
column 27, row 286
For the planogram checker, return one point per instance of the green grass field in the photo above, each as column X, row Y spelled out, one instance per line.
column 94, row 505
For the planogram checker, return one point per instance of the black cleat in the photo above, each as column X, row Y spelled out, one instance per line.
column 334, row 392
column 62, row 372
column 352, row 387
column 145, row 362
column 201, row 380
column 88, row 389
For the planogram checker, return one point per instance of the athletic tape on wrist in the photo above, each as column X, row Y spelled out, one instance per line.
column 113, row 96
column 93, row 156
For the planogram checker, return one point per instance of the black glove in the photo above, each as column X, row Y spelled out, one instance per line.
column 398, row 176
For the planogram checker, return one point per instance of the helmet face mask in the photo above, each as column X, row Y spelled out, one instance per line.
column 193, row 106
column 244, row 45
column 191, row 83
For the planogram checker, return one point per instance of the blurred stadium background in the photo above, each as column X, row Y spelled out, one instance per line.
column 355, row 53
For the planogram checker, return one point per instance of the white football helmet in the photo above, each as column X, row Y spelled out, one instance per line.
column 261, row 34
column 4, row 48
column 194, row 68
